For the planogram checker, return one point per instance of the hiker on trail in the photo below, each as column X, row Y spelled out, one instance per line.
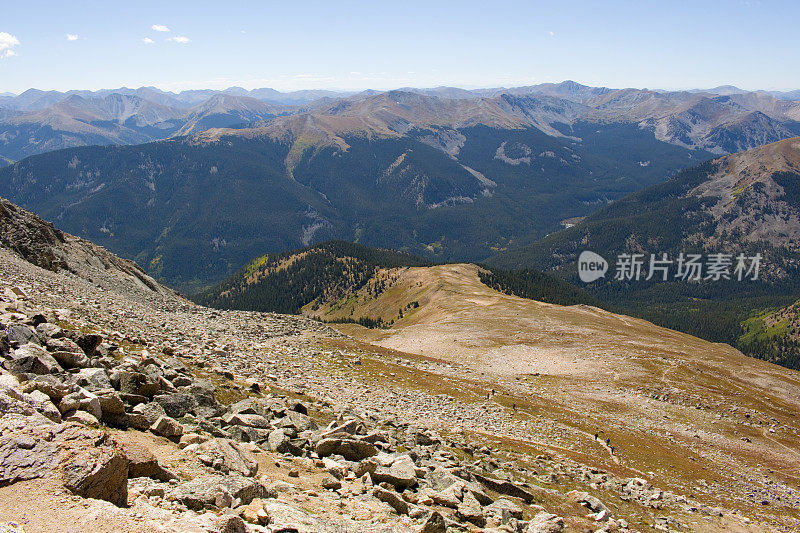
column 608, row 442
column 612, row 450
column 596, row 436
column 514, row 406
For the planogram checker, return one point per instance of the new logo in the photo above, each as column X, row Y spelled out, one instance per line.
column 591, row 266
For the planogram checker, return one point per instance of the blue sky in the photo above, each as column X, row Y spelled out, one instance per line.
column 356, row 45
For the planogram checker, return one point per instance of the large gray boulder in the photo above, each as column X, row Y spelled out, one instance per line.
column 19, row 334
column 176, row 404
column 210, row 490
column 88, row 462
column 231, row 456
column 167, row 427
column 32, row 359
column 401, row 474
column 350, row 449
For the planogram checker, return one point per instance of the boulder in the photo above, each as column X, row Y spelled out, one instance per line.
column 587, row 500
column 227, row 523
column 401, row 474
column 51, row 386
column 142, row 463
column 278, row 441
column 93, row 465
column 350, row 449
column 207, row 490
column 18, row 335
column 43, row 405
column 138, row 384
column 254, row 513
column 231, row 456
column 330, row 483
column 32, row 359
column 25, row 455
column 505, row 487
column 177, row 404
column 284, row 518
column 392, row 498
column 545, row 523
column 151, row 411
column 110, row 402
column 503, row 507
column 434, row 524
column 71, row 359
column 81, row 400
column 167, row 427
column 48, row 330
column 93, row 379
column 470, row 510
column 82, row 417
column 247, row 419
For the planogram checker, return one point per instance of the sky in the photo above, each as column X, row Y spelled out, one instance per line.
column 353, row 45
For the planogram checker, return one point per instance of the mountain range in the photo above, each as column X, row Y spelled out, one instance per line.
column 720, row 120
column 446, row 179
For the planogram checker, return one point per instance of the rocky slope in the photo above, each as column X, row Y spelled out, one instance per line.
column 203, row 420
column 41, row 244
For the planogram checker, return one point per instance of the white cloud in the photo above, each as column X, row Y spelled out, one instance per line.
column 179, row 39
column 72, row 37
column 7, row 44
column 159, row 27
column 148, row 40
column 552, row 34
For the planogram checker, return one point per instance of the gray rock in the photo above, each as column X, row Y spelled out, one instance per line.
column 350, row 449
column 82, row 417
column 401, row 474
column 48, row 330
column 230, row 455
column 545, row 523
column 151, row 411
column 81, row 400
column 247, row 419
column 41, row 402
column 93, row 378
column 331, row 483
column 142, row 463
column 25, row 457
column 32, row 359
column 138, row 384
column 434, row 524
column 470, row 510
column 392, row 498
column 110, row 402
column 99, row 471
column 230, row 524
column 587, row 500
column 176, row 405
column 167, row 427
column 206, row 490
column 278, row 441
column 71, row 359
column 503, row 507
column 505, row 487
column 19, row 335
